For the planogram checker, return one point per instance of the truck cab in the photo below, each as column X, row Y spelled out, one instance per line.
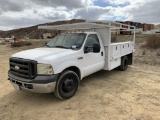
column 59, row 66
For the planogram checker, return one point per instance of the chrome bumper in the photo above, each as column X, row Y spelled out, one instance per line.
column 40, row 84
column 33, row 87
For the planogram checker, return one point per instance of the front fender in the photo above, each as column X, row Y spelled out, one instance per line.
column 59, row 67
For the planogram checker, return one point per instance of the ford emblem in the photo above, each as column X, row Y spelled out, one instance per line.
column 16, row 67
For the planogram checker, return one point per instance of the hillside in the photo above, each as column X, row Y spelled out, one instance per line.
column 33, row 32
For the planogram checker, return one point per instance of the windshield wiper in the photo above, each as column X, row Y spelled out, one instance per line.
column 58, row 46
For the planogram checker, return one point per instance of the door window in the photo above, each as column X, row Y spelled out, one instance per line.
column 92, row 38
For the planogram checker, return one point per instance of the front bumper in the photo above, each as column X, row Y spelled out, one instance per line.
column 40, row 84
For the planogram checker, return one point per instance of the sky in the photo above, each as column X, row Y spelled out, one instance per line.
column 23, row 13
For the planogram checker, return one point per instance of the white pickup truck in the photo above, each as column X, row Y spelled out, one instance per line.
column 83, row 49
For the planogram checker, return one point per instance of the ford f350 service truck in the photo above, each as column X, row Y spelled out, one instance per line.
column 83, row 49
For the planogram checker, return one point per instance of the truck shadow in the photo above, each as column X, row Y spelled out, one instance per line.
column 115, row 81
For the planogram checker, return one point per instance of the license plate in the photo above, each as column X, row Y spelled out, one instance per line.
column 17, row 87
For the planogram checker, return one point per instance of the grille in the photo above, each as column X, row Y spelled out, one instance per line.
column 23, row 68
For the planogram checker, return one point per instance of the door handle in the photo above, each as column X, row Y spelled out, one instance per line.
column 80, row 58
column 102, row 53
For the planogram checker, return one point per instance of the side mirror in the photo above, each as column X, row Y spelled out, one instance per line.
column 96, row 47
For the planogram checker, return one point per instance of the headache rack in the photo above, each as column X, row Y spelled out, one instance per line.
column 93, row 25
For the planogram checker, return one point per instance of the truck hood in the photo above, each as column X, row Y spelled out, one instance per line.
column 44, row 54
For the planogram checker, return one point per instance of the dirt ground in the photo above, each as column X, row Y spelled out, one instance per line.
column 129, row 95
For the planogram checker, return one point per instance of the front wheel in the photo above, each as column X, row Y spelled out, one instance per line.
column 66, row 85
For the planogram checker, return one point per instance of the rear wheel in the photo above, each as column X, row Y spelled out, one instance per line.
column 66, row 85
column 124, row 63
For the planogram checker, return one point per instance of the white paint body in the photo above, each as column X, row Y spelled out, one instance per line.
column 60, row 58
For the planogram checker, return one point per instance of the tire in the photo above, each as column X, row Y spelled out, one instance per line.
column 66, row 85
column 124, row 63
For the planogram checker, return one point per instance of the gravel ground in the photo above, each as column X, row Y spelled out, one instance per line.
column 133, row 94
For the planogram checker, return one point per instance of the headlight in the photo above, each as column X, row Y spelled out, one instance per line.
column 44, row 69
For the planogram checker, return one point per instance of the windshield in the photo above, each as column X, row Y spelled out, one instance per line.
column 68, row 41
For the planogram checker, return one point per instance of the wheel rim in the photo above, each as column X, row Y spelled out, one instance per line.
column 68, row 85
